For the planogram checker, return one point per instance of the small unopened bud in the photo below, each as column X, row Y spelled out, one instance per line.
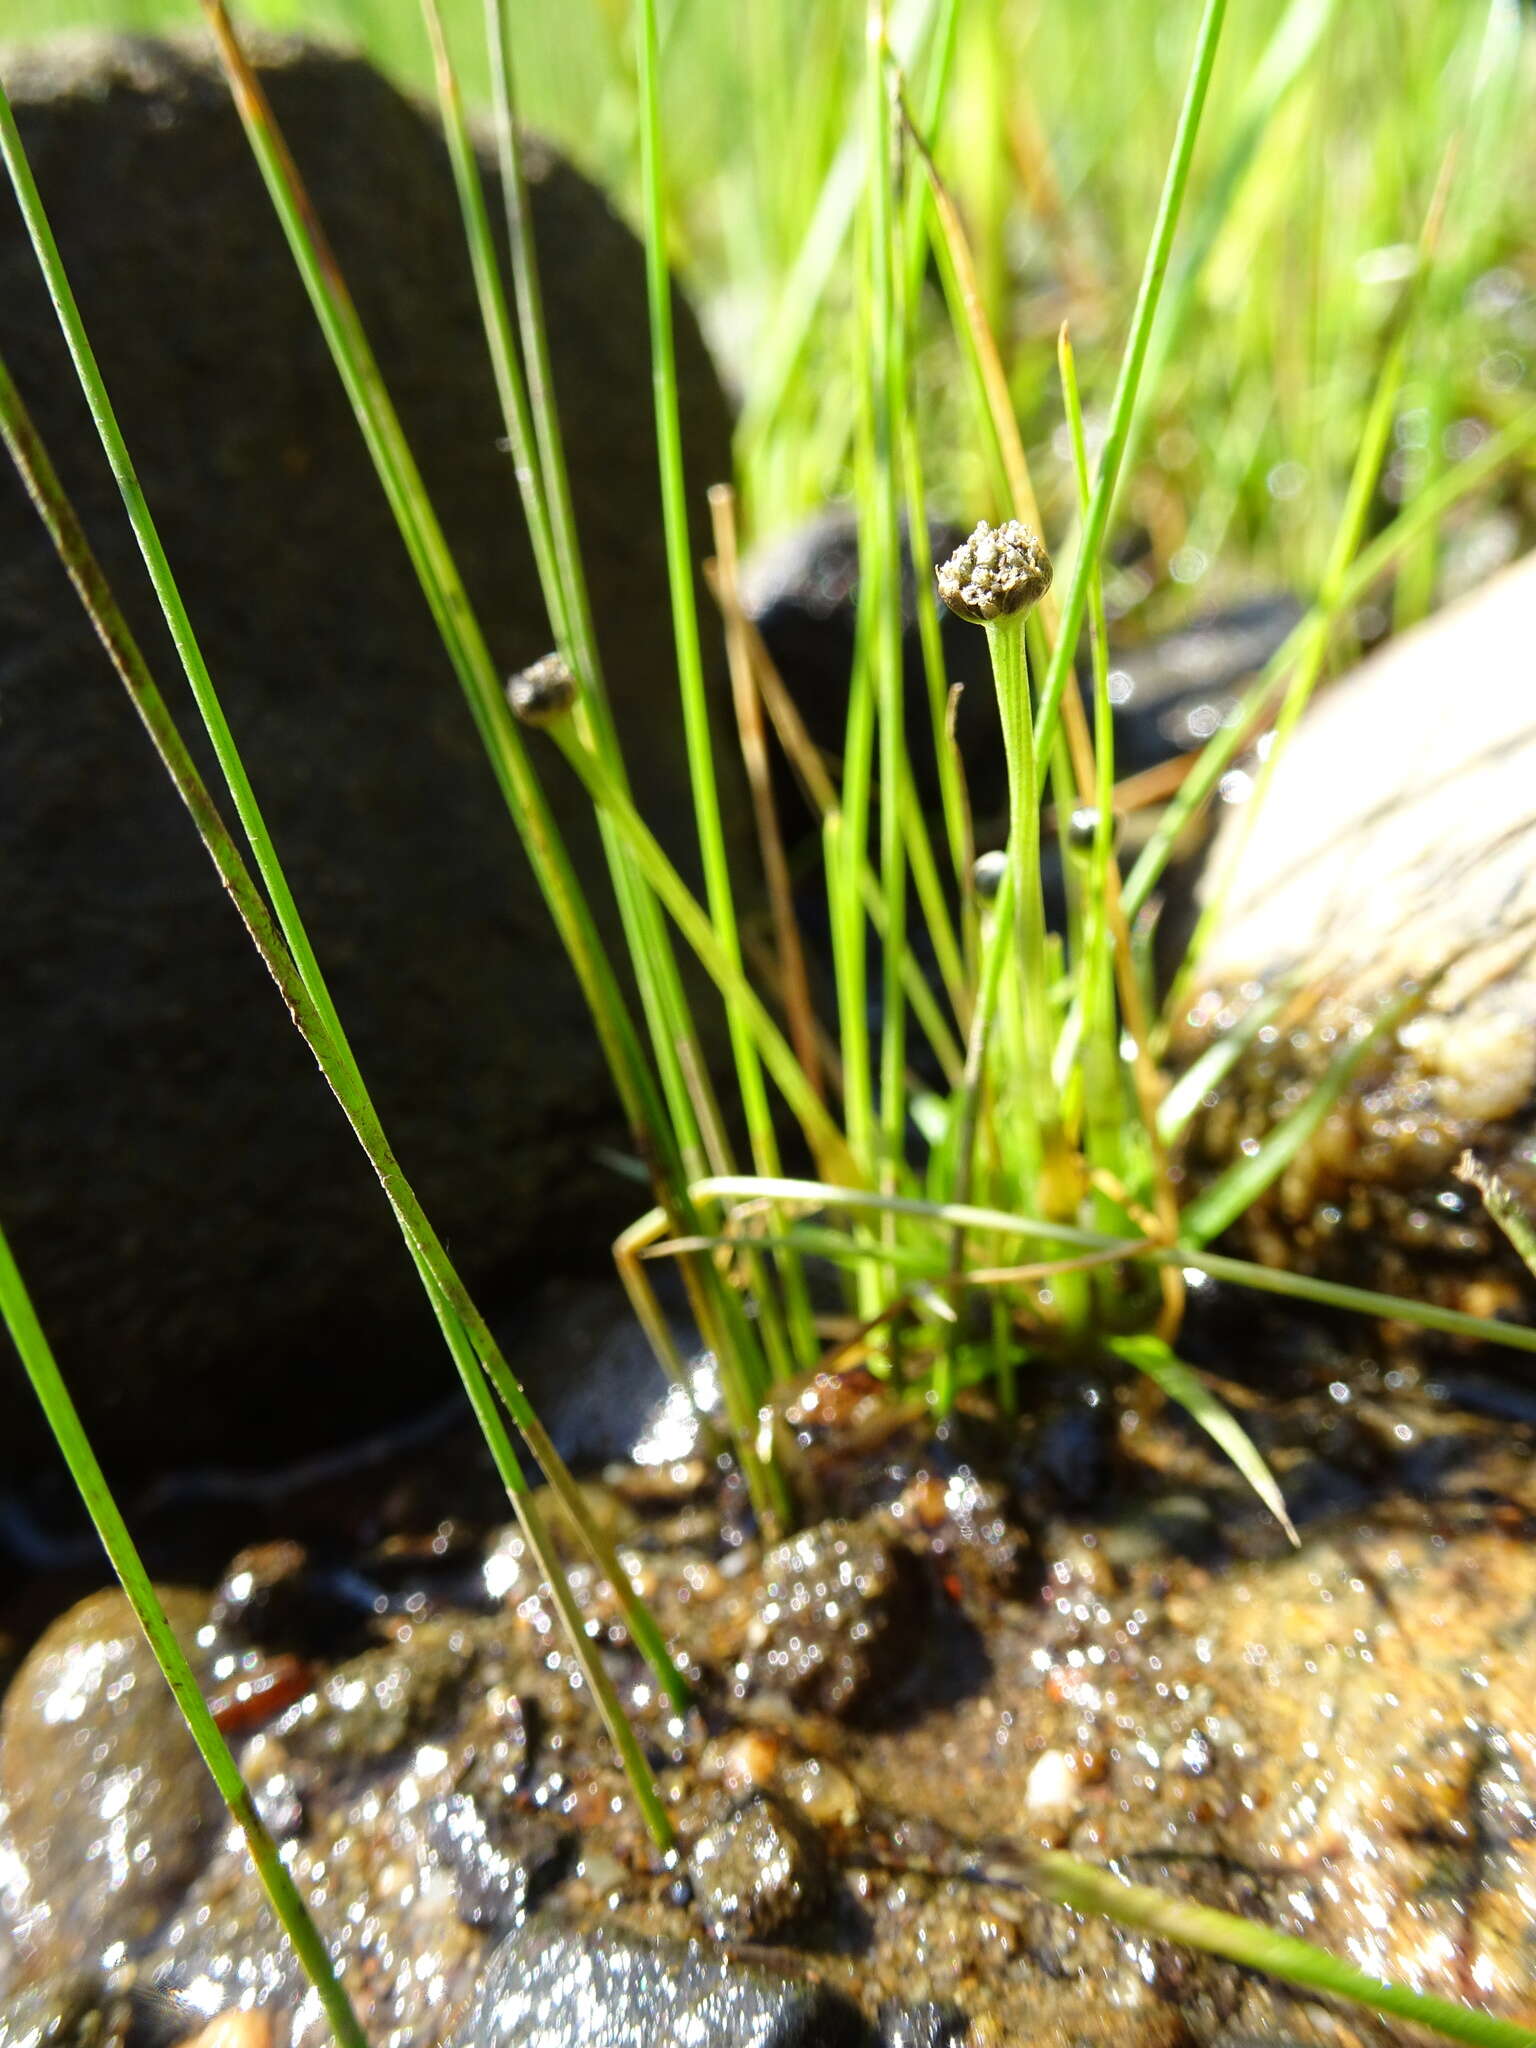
column 999, row 573
column 987, row 875
column 543, row 692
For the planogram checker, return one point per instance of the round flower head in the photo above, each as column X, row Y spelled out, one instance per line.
column 1001, row 572
column 542, row 692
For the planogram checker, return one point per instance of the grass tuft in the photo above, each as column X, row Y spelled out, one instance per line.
column 985, row 1127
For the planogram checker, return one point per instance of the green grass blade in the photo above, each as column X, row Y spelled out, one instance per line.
column 1297, row 36
column 1218, row 1206
column 1363, row 1301
column 283, row 1895
column 1181, row 1383
column 693, row 922
column 1215, row 1063
column 1503, row 1206
column 1304, row 679
column 1128, row 385
column 1099, row 1053
column 1427, row 509
column 466, row 646
column 304, row 993
column 780, row 354
column 882, row 339
column 537, row 449
column 1088, row 1889
column 440, row 581
column 718, row 890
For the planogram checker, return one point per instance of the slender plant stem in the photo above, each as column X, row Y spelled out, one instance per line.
column 467, row 649
column 1344, row 547
column 1122, row 410
column 276, row 1881
column 1240, row 1272
column 690, row 661
column 1088, row 1889
column 673, row 1144
column 304, row 992
column 538, row 455
column 693, row 922
column 1010, row 669
column 1018, row 941
column 439, row 578
column 880, row 563
column 1425, row 512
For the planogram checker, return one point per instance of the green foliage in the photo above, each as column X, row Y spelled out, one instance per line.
column 879, row 199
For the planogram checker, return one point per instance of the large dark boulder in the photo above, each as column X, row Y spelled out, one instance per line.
column 207, row 1246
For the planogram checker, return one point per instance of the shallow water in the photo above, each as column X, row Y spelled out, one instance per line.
column 1086, row 1636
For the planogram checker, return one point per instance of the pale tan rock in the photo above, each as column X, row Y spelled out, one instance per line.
column 1399, row 835
column 235, row 2030
column 1397, row 845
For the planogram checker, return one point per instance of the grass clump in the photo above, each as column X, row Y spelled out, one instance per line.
column 986, row 1144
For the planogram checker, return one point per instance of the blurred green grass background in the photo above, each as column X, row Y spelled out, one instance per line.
column 1329, row 128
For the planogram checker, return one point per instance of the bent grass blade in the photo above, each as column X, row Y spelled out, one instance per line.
column 1240, row 1272
column 1181, row 1383
column 289, row 958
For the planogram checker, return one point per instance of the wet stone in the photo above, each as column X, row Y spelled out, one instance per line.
column 111, row 1813
column 552, row 1986
column 965, row 1525
column 760, row 1873
column 1395, row 851
column 826, row 1620
column 1334, row 1740
column 374, row 1705
column 273, row 1598
column 65, row 2013
column 494, row 1869
column 919, row 2026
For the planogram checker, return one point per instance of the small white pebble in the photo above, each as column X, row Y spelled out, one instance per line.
column 235, row 2030
column 1055, row 1783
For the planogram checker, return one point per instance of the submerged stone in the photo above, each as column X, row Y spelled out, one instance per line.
column 550, row 1986
column 760, row 1872
column 826, row 1625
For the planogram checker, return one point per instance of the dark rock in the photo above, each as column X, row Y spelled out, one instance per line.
column 208, row 1248
column 760, row 1873
column 271, row 1598
column 551, row 1986
column 495, row 1868
column 827, row 1617
column 111, row 1813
